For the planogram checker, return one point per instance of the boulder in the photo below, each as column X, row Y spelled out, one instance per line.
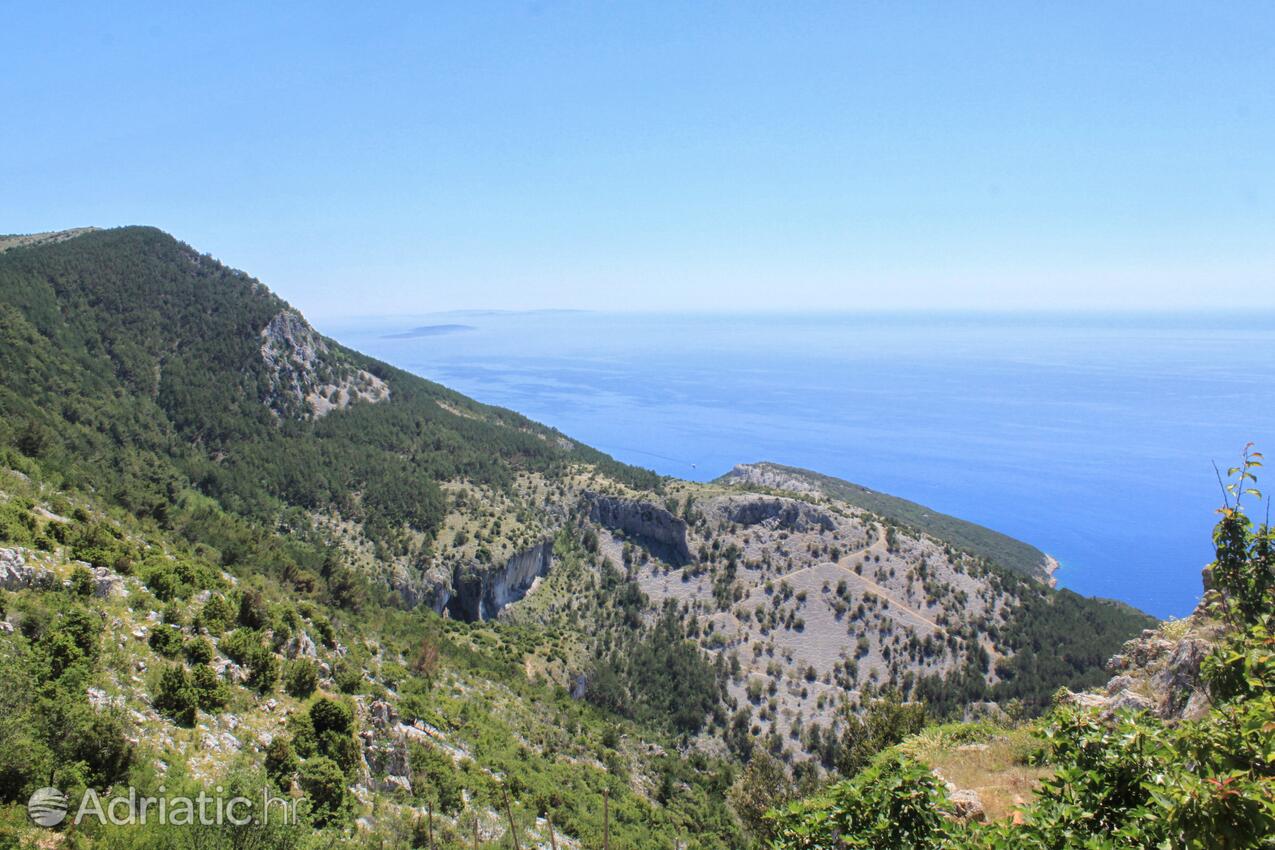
column 967, row 805
column 108, row 584
column 302, row 646
column 1180, row 681
column 17, row 574
column 1127, row 700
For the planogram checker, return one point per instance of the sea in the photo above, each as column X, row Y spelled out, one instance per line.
column 1091, row 436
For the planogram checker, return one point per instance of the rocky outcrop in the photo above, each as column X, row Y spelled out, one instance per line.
column 967, row 805
column 17, row 574
column 774, row 478
column 1180, row 683
column 1158, row 673
column 648, row 525
column 108, row 584
column 385, row 749
column 787, row 514
column 418, row 585
column 301, row 646
column 481, row 593
column 306, row 380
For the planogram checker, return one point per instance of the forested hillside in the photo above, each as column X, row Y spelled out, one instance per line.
column 233, row 549
column 132, row 362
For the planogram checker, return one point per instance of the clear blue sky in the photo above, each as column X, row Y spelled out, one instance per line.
column 383, row 158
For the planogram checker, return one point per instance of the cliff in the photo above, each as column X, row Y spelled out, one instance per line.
column 651, row 526
column 479, row 592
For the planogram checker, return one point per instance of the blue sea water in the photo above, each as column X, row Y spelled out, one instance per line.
column 1089, row 436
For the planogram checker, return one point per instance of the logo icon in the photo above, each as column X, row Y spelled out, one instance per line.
column 47, row 807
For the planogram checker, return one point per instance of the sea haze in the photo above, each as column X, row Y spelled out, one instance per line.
column 1090, row 436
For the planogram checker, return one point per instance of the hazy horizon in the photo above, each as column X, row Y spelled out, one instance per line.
column 890, row 156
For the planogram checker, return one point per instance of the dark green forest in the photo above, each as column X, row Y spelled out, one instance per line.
column 130, row 361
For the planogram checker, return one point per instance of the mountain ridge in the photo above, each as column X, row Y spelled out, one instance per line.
column 1008, row 551
column 190, row 439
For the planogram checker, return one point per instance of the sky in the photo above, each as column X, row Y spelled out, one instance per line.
column 381, row 158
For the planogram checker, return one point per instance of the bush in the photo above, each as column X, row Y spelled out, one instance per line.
column 882, row 723
column 897, row 804
column 240, row 644
column 211, row 691
column 330, row 716
column 254, row 613
column 435, row 778
column 176, row 697
column 301, row 677
column 81, row 582
column 166, row 640
column 281, row 762
column 324, row 785
column 263, row 669
column 216, row 615
column 199, row 651
column 347, row 677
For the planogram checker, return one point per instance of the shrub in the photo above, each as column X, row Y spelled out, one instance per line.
column 324, row 785
column 216, row 615
column 211, row 691
column 301, row 677
column 281, row 762
column 897, row 804
column 254, row 613
column 263, row 669
column 175, row 696
column 330, row 716
column 434, row 775
column 198, row 650
column 882, row 723
column 166, row 640
column 347, row 677
column 81, row 582
column 240, row 644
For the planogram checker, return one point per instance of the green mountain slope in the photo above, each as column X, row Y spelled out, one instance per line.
column 214, row 522
column 129, row 357
column 976, row 539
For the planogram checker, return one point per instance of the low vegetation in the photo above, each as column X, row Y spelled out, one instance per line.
column 209, row 583
column 1125, row 780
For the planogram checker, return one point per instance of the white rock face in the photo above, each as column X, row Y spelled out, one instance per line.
column 1157, row 674
column 385, row 749
column 481, row 593
column 107, row 584
column 17, row 574
column 765, row 476
column 301, row 646
column 650, row 525
column 306, row 379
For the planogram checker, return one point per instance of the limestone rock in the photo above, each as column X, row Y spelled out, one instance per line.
column 307, row 379
column 108, row 584
column 1180, row 680
column 17, row 574
column 481, row 593
column 967, row 805
column 651, row 526
column 302, row 646
column 788, row 514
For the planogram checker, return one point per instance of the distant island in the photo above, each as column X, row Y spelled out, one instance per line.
column 430, row 330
